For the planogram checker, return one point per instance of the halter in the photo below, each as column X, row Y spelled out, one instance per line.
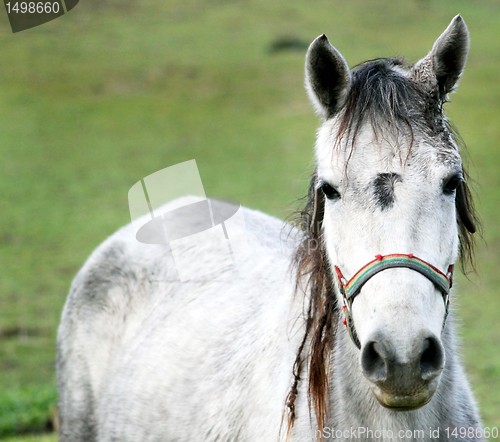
column 351, row 288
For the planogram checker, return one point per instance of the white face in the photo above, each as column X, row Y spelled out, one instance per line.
column 391, row 200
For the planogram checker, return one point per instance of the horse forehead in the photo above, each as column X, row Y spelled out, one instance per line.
column 373, row 153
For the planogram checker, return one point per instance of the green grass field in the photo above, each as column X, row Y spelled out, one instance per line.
column 92, row 102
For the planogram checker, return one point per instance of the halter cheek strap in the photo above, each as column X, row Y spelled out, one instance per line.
column 351, row 288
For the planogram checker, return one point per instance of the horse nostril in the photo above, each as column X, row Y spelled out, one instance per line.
column 431, row 359
column 373, row 362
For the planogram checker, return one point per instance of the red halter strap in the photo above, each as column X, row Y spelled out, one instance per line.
column 352, row 287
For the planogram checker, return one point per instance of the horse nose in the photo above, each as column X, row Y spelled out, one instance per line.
column 400, row 370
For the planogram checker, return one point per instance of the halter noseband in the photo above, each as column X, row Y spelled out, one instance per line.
column 351, row 288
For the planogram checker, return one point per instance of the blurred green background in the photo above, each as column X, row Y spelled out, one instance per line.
column 92, row 102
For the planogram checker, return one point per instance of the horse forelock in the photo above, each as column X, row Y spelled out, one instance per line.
column 384, row 94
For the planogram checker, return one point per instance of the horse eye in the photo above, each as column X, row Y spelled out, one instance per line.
column 330, row 192
column 451, row 184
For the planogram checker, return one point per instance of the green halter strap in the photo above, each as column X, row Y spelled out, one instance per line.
column 352, row 287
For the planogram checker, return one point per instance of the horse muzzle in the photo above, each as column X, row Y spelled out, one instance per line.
column 401, row 383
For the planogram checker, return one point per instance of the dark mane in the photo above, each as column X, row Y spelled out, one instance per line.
column 383, row 97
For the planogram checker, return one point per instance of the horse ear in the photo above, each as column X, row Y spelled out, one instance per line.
column 328, row 77
column 444, row 64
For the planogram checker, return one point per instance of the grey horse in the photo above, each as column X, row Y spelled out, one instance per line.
column 336, row 329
